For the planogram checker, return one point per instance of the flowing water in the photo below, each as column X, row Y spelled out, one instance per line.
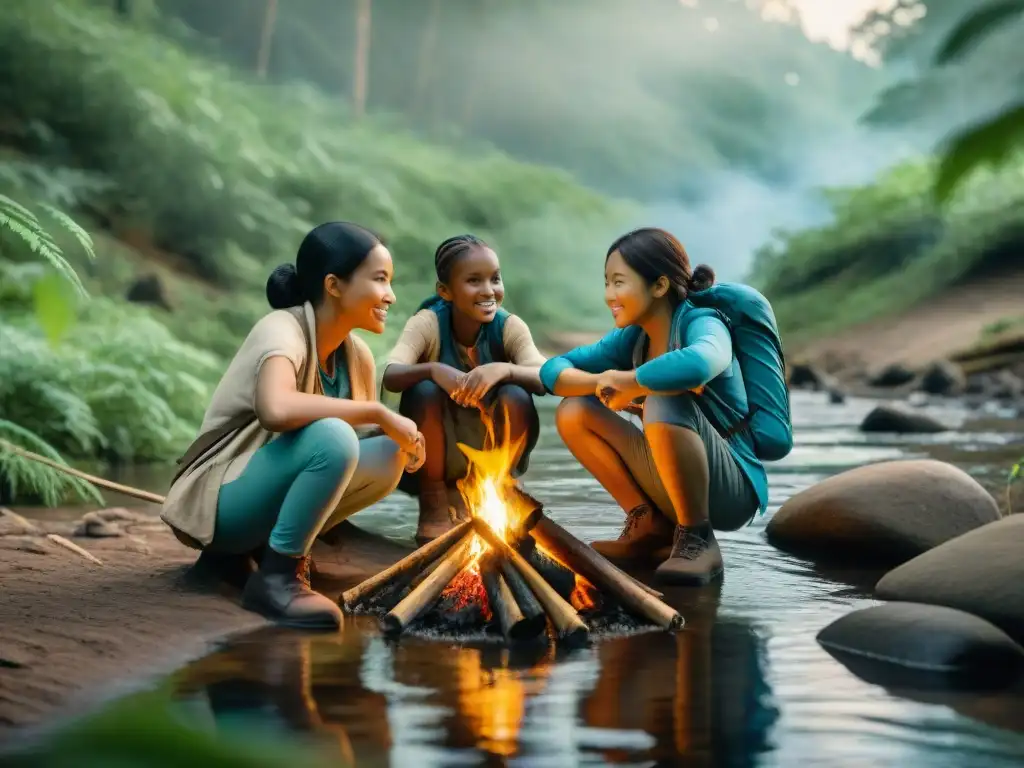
column 744, row 684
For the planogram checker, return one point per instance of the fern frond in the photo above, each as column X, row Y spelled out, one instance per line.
column 84, row 238
column 48, row 484
column 19, row 220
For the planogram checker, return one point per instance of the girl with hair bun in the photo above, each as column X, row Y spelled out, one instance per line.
column 285, row 451
column 461, row 354
column 693, row 466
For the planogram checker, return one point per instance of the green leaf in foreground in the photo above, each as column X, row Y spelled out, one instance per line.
column 990, row 141
column 971, row 29
column 147, row 731
column 54, row 303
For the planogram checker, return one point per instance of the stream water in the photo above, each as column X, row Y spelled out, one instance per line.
column 744, row 684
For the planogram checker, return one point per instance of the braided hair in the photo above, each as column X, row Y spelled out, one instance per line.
column 447, row 255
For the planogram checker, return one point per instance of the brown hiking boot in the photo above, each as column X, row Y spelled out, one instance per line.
column 280, row 591
column 436, row 515
column 646, row 530
column 695, row 559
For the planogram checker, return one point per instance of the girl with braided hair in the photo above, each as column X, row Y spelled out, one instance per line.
column 460, row 355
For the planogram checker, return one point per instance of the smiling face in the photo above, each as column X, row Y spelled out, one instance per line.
column 475, row 288
column 628, row 295
column 365, row 298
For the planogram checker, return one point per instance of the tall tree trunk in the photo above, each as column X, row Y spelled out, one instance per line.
column 428, row 44
column 266, row 37
column 361, row 72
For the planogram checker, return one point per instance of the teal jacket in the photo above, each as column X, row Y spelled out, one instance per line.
column 704, row 358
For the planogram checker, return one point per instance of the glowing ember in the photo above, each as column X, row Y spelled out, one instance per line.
column 466, row 589
column 585, row 596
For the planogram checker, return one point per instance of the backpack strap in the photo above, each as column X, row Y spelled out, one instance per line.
column 208, row 439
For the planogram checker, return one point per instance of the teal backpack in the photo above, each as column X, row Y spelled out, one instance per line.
column 758, row 350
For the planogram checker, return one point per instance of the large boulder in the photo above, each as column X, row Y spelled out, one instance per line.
column 888, row 512
column 927, row 639
column 898, row 420
column 981, row 572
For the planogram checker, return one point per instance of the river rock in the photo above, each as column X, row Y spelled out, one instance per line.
column 899, row 420
column 924, row 638
column 943, row 378
column 806, row 376
column 890, row 512
column 981, row 572
column 1006, row 385
column 95, row 526
column 892, row 376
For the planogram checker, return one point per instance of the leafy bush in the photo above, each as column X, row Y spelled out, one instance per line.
column 889, row 244
column 231, row 173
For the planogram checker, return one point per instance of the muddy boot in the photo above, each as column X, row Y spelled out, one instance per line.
column 436, row 516
column 646, row 530
column 213, row 568
column 695, row 559
column 280, row 591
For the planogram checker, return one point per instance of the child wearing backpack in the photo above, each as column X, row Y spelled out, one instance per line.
column 707, row 364
column 459, row 355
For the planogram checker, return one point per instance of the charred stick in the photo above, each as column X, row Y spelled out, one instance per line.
column 567, row 623
column 514, row 625
column 408, row 565
column 525, row 599
column 421, row 598
column 598, row 571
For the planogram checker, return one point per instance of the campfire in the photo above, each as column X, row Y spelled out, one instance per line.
column 508, row 570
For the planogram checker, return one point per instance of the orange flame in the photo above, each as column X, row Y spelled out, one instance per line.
column 487, row 486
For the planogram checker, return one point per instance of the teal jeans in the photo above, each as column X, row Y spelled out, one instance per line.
column 303, row 483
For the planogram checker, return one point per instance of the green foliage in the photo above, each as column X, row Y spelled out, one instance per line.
column 973, row 28
column 989, row 142
column 230, row 174
column 889, row 245
column 18, row 221
column 26, row 477
column 639, row 98
column 150, row 731
column 970, row 66
column 119, row 385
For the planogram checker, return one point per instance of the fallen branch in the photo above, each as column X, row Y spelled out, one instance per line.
column 99, row 482
column 73, row 547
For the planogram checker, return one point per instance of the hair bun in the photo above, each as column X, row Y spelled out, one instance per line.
column 703, row 278
column 283, row 288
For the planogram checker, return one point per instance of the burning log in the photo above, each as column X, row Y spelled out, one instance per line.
column 421, row 598
column 603, row 574
column 560, row 577
column 555, row 545
column 566, row 621
column 515, row 625
column 407, row 566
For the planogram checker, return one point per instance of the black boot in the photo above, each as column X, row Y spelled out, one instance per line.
column 214, row 568
column 280, row 591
